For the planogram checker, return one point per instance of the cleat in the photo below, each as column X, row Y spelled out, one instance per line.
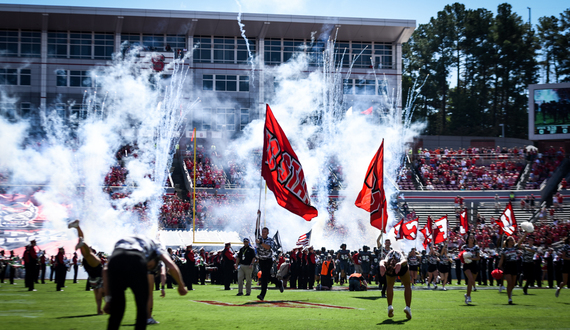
column 557, row 292
column 281, row 288
column 73, row 224
column 525, row 290
column 260, row 297
column 510, row 301
column 151, row 320
column 390, row 311
column 239, row 294
column 408, row 312
column 444, row 289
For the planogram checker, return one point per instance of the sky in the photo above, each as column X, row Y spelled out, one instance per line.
column 421, row 11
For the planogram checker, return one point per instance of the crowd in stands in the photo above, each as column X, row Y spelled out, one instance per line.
column 479, row 168
column 174, row 213
column 208, row 174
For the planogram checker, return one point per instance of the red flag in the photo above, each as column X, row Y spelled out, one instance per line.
column 407, row 230
column 398, row 230
column 372, row 197
column 463, row 224
column 367, row 111
column 440, row 230
column 283, row 172
column 426, row 231
column 507, row 221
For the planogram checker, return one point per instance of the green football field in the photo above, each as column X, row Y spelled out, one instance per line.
column 210, row 307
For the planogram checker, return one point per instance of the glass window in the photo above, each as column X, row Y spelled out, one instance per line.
column 57, row 44
column 224, row 49
column 365, row 87
column 207, row 119
column 383, row 55
column 25, row 109
column 30, row 43
column 315, row 51
column 9, row 77
column 244, row 119
column 202, row 49
column 132, row 39
column 104, row 45
column 61, row 77
column 242, row 53
column 290, row 47
column 80, row 45
column 25, row 77
column 342, row 54
column 176, row 42
column 244, row 83
column 273, row 51
column 8, row 110
column 208, row 82
column 8, row 43
column 225, row 119
column 362, row 54
column 153, row 42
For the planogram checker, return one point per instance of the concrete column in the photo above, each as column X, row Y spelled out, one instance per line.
column 43, row 69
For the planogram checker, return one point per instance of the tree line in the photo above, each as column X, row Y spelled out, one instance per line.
column 493, row 57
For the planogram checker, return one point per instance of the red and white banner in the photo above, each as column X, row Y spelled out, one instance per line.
column 463, row 223
column 407, row 230
column 372, row 197
column 427, row 232
column 282, row 171
column 440, row 230
column 507, row 221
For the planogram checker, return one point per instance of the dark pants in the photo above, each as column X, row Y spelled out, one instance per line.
column 265, row 267
column 75, row 269
column 51, row 272
column 528, row 271
column 311, row 276
column 31, row 275
column 228, row 275
column 294, row 275
column 12, row 274
column 60, row 273
column 127, row 269
column 3, row 269
column 550, row 275
column 43, row 273
column 203, row 275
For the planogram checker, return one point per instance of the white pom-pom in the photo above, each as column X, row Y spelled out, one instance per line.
column 527, row 227
column 467, row 257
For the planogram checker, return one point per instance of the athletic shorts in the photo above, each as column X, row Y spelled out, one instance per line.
column 432, row 268
column 473, row 267
column 444, row 268
column 414, row 268
column 402, row 272
column 96, row 282
column 510, row 268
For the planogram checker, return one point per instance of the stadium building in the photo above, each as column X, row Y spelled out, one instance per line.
column 46, row 53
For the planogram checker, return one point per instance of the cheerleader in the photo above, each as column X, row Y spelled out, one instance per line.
column 413, row 262
column 444, row 266
column 470, row 269
column 508, row 264
column 433, row 259
column 565, row 265
column 393, row 266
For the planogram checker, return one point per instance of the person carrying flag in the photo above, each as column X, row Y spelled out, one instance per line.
column 396, row 265
column 265, row 257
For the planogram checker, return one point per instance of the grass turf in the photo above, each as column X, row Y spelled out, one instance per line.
column 294, row 309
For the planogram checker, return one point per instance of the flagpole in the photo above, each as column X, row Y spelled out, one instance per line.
column 265, row 206
column 194, row 191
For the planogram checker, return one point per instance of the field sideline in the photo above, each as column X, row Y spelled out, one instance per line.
column 210, row 307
